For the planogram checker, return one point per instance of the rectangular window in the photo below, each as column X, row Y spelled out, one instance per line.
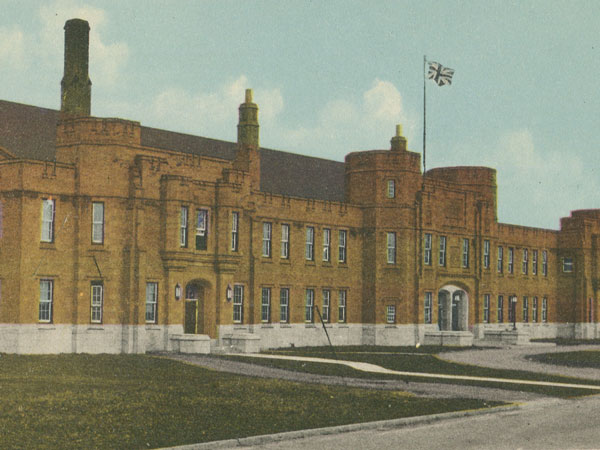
column 511, row 254
column 486, row 254
column 500, row 309
column 342, row 306
column 97, row 223
column 391, row 189
column 391, row 248
column 525, row 310
column 534, row 310
column 465, row 253
column 310, row 302
column 342, row 246
column 46, row 296
column 326, row 244
column 590, row 310
column 544, row 263
column 512, row 308
column 97, row 295
column 265, row 311
column 534, row 262
column 266, row 240
column 235, row 223
column 201, row 229
column 442, row 256
column 284, row 305
column 428, row 307
column 391, row 314
column 48, row 212
column 285, row 241
column 310, row 243
column 238, row 303
column 427, row 249
column 486, row 308
column 183, row 226
column 544, row 309
column 567, row 265
column 326, row 305
column 500, row 259
column 151, row 302
column 525, row 261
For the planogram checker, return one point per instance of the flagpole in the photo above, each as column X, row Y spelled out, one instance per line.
column 424, row 112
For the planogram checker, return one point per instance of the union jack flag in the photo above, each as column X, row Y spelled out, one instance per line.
column 440, row 74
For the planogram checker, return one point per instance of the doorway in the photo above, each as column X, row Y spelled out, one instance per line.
column 194, row 308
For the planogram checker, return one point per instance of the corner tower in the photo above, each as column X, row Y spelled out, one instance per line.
column 76, row 87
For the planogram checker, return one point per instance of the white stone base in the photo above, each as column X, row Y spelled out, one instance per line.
column 242, row 343
column 449, row 338
column 506, row 337
column 190, row 343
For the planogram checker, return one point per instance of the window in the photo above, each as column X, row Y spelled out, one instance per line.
column 97, row 223
column 391, row 188
column 310, row 301
column 326, row 244
column 512, row 308
column 486, row 308
column 266, row 241
column 326, row 305
column 567, row 265
column 342, row 246
column 486, row 254
column 465, row 253
column 97, row 295
column 534, row 310
column 544, row 263
column 151, row 302
column 442, row 256
column 500, row 309
column 46, row 295
column 500, row 259
column 235, row 223
column 265, row 311
column 590, row 310
column 238, row 303
column 183, row 226
column 525, row 309
column 201, row 229
column 391, row 314
column 427, row 250
column 428, row 307
column 284, row 305
column 511, row 254
column 48, row 212
column 310, row 243
column 525, row 261
column 342, row 306
column 285, row 241
column 544, row 309
column 391, row 248
column 534, row 262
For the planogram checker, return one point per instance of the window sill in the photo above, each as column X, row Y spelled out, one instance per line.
column 285, row 325
column 152, row 327
column 343, row 325
column 285, row 261
column 46, row 326
column 309, row 325
column 266, row 325
column 95, row 328
column 47, row 245
column 390, row 325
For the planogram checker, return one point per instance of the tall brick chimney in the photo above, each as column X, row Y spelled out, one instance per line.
column 76, row 87
column 248, row 122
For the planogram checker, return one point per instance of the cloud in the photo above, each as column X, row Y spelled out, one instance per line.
column 12, row 48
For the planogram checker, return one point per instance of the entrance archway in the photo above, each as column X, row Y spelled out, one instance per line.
column 453, row 309
column 194, row 308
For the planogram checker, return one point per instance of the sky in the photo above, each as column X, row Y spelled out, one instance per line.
column 335, row 76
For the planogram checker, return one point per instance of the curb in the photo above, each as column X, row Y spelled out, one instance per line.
column 378, row 425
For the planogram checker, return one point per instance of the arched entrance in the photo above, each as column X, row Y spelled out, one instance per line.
column 453, row 309
column 194, row 308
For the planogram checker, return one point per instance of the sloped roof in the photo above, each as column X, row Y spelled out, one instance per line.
column 30, row 132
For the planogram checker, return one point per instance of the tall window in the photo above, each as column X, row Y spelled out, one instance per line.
column 390, row 314
column 534, row 310
column 427, row 249
column 486, row 254
column 284, row 305
column 285, row 241
column 534, row 262
column 235, row 223
column 525, row 309
column 265, row 311
column 238, row 303
column 310, row 243
column 391, row 248
column 183, row 226
column 310, row 302
column 428, row 307
column 568, row 265
column 266, row 241
column 342, row 246
column 325, row 313
column 512, row 308
column 48, row 220
column 486, row 308
column 97, row 222
column 342, row 306
column 500, row 309
column 500, row 259
column 46, row 295
column 511, row 255
column 544, row 263
column 391, row 189
column 201, row 229
column 465, row 253
column 151, row 302
column 544, row 309
column 442, row 256
column 97, row 295
column 525, row 261
column 326, row 244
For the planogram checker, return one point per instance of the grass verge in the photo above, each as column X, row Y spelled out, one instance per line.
column 583, row 358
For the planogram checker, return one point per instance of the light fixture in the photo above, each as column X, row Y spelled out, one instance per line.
column 229, row 293
column 177, row 291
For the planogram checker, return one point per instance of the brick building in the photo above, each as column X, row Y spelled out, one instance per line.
column 115, row 237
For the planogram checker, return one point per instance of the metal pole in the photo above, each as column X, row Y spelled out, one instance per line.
column 424, row 112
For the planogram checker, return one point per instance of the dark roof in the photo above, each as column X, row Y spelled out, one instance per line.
column 30, row 132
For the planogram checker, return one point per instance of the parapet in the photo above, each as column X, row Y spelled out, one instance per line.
column 464, row 175
column 94, row 130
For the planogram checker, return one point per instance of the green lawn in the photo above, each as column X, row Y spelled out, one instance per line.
column 585, row 358
column 138, row 401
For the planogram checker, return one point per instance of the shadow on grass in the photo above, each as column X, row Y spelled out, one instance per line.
column 583, row 358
